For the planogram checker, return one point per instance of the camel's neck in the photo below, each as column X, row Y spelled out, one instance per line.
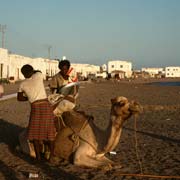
column 114, row 130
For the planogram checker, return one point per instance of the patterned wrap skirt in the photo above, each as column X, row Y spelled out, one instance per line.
column 41, row 124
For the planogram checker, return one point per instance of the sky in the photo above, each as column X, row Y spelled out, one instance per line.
column 144, row 32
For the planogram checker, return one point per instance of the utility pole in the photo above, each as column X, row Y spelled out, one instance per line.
column 49, row 57
column 49, row 52
column 2, row 30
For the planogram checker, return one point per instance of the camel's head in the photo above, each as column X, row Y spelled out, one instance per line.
column 122, row 107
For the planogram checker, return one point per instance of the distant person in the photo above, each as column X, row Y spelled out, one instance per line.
column 64, row 85
column 41, row 126
column 1, row 90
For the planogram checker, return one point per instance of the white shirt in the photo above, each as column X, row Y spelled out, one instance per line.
column 33, row 87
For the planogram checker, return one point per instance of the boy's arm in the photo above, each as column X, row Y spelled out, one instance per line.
column 53, row 90
column 69, row 98
column 53, row 85
column 21, row 97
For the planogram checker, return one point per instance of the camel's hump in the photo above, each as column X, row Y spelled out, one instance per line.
column 75, row 120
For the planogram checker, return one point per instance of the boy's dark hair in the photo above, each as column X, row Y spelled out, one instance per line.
column 64, row 63
column 27, row 70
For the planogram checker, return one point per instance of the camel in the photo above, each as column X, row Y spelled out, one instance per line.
column 80, row 139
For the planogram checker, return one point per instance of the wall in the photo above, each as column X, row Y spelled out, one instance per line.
column 118, row 65
column 152, row 71
column 4, row 63
column 10, row 65
column 172, row 71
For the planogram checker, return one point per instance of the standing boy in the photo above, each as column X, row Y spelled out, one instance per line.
column 41, row 123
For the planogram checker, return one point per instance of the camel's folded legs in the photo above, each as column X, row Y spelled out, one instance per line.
column 88, row 158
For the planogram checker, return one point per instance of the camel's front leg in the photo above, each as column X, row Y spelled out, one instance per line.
column 86, row 156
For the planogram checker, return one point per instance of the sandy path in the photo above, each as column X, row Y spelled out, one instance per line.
column 158, row 132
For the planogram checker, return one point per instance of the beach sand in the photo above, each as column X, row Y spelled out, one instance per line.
column 158, row 134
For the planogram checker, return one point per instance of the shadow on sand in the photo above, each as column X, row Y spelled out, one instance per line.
column 164, row 138
column 9, row 136
column 7, row 172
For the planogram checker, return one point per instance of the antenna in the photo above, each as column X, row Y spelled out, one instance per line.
column 2, row 30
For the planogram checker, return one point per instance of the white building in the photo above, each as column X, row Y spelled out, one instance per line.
column 4, row 63
column 101, row 75
column 86, row 69
column 153, row 71
column 172, row 71
column 10, row 66
column 104, row 68
column 118, row 65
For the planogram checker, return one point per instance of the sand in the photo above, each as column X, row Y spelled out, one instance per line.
column 158, row 134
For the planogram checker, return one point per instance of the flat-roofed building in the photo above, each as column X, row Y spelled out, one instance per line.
column 11, row 64
column 153, row 72
column 172, row 71
column 4, row 63
column 121, row 66
column 85, row 69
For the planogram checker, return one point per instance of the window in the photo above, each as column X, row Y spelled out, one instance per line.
column 112, row 66
column 121, row 66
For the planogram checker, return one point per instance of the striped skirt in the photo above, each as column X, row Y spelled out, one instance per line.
column 41, row 124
